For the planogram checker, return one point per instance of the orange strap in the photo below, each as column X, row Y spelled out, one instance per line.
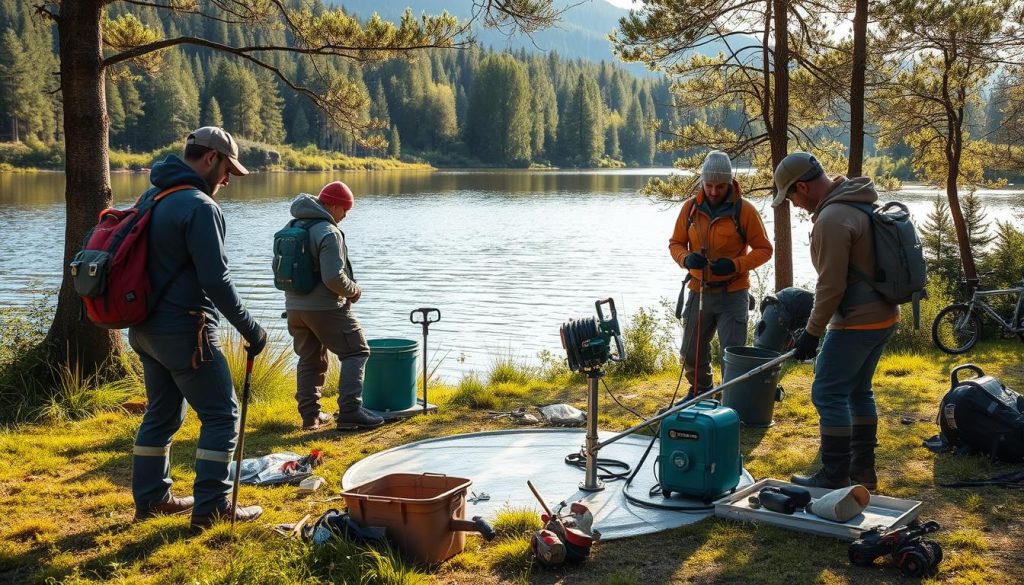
column 167, row 192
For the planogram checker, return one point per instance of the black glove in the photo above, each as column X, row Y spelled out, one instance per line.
column 723, row 267
column 806, row 346
column 257, row 342
column 695, row 261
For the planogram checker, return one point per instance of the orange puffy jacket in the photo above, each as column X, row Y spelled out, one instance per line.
column 696, row 230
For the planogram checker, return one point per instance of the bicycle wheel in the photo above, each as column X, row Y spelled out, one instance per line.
column 956, row 329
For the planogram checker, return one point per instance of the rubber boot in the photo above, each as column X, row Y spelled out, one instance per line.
column 862, row 459
column 835, row 465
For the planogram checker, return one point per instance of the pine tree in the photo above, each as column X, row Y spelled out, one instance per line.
column 938, row 240
column 581, row 125
column 213, row 114
column 298, row 132
column 394, row 143
column 498, row 125
column 115, row 112
column 977, row 222
column 271, row 108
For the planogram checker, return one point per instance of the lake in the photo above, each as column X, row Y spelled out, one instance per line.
column 506, row 255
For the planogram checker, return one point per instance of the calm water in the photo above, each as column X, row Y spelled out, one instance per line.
column 507, row 256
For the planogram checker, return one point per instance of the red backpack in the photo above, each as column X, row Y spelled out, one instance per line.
column 109, row 272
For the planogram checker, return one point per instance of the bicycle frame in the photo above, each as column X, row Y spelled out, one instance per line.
column 977, row 300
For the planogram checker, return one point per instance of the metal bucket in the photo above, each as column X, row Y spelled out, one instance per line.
column 754, row 399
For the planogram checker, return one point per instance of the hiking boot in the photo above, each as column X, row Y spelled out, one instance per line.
column 862, row 456
column 358, row 419
column 835, row 465
column 171, row 506
column 321, row 420
column 242, row 514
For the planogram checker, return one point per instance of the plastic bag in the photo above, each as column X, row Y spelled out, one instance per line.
column 563, row 414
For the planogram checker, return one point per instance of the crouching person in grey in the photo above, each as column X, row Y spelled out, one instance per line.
column 177, row 344
column 321, row 320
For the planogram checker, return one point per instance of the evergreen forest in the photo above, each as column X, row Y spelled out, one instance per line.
column 467, row 106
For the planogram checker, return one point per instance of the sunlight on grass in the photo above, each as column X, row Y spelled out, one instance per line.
column 511, row 556
column 64, row 490
column 78, row 396
column 272, row 374
column 508, row 369
column 512, row 522
column 471, row 393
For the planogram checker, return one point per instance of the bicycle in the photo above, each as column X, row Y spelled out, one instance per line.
column 957, row 328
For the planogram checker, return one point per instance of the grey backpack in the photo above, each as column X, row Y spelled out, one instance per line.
column 901, row 272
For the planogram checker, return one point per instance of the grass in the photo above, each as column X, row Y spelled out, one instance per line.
column 64, row 490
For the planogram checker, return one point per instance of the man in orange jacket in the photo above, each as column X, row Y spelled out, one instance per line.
column 719, row 237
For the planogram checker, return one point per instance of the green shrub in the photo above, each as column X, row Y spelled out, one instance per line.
column 649, row 346
column 472, row 393
column 508, row 369
column 908, row 339
column 272, row 375
column 516, row 522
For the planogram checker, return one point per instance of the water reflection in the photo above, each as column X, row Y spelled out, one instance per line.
column 506, row 255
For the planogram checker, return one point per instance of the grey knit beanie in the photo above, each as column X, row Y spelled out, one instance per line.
column 717, row 168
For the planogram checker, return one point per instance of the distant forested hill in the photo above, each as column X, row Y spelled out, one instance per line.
column 581, row 33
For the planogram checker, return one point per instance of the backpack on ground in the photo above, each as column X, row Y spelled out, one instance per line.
column 981, row 415
column 109, row 272
column 294, row 258
column 900, row 272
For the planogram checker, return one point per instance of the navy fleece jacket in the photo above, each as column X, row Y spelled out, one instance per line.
column 187, row 230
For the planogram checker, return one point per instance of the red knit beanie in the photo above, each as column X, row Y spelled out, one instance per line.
column 337, row 193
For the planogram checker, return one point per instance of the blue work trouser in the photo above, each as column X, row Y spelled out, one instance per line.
column 176, row 373
column 724, row 313
column 841, row 391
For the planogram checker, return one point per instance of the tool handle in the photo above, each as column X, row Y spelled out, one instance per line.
column 536, row 494
column 240, row 447
column 428, row 315
column 954, row 376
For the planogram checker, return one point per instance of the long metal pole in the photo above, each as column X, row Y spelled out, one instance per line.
column 425, row 325
column 590, row 481
column 592, row 453
column 246, row 391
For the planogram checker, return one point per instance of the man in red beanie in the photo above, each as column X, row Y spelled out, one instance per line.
column 321, row 319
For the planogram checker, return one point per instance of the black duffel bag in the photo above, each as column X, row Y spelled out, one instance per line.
column 981, row 415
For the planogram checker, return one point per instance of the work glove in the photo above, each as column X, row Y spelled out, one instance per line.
column 806, row 346
column 257, row 342
column 695, row 261
column 723, row 267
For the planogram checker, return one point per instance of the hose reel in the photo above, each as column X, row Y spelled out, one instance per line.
column 587, row 342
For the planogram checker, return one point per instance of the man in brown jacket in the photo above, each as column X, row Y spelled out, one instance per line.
column 859, row 321
column 719, row 238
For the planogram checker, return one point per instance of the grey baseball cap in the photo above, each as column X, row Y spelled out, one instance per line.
column 798, row 166
column 218, row 139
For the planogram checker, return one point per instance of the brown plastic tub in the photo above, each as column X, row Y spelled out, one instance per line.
column 423, row 514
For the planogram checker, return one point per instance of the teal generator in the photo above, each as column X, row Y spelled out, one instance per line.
column 700, row 452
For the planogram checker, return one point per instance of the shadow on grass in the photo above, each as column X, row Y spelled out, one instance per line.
column 34, row 565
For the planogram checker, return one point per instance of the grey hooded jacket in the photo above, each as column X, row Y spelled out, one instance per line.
column 337, row 283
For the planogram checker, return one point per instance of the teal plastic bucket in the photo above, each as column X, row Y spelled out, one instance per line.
column 753, row 399
column 390, row 382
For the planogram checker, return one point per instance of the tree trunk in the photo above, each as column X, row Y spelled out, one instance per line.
column 860, row 62
column 780, row 144
column 72, row 338
column 963, row 238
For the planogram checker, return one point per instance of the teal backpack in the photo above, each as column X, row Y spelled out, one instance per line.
column 293, row 258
